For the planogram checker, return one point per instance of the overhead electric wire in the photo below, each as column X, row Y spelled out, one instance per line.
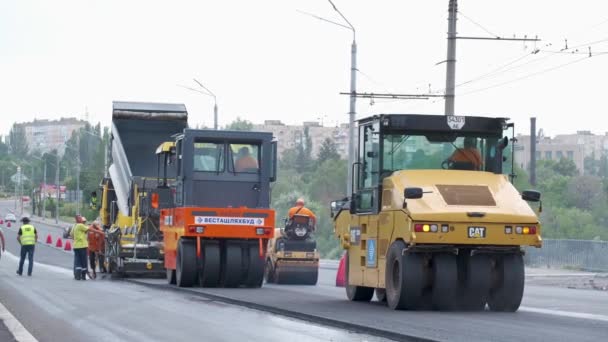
column 526, row 76
column 478, row 25
column 496, row 70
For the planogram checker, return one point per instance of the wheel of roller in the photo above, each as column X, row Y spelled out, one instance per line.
column 232, row 265
column 255, row 267
column 312, row 277
column 186, row 270
column 171, row 276
column 269, row 272
column 280, row 277
column 405, row 278
column 478, row 282
column 381, row 295
column 210, row 264
column 357, row 293
column 445, row 282
column 510, row 288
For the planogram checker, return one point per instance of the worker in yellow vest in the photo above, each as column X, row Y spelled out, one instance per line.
column 81, row 245
column 27, row 237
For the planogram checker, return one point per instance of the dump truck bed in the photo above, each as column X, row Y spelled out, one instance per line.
column 137, row 130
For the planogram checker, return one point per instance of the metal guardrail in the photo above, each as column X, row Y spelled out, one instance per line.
column 585, row 255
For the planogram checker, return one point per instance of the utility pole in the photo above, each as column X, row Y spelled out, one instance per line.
column 78, row 173
column 450, row 79
column 210, row 93
column 44, row 192
column 57, row 190
column 215, row 116
column 352, row 109
column 533, row 151
column 19, row 187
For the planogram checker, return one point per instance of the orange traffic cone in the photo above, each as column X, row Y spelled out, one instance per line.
column 68, row 245
column 1, row 221
column 49, row 239
column 8, row 224
column 59, row 243
column 341, row 274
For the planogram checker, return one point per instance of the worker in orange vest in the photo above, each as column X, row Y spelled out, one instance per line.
column 245, row 162
column 300, row 209
column 96, row 248
column 468, row 154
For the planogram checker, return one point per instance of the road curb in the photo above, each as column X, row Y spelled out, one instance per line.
column 357, row 328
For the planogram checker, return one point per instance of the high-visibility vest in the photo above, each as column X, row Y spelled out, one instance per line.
column 28, row 235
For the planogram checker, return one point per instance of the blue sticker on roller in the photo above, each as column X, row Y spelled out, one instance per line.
column 371, row 253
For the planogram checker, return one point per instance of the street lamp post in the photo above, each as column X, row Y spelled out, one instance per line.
column 214, row 104
column 353, row 101
column 57, row 191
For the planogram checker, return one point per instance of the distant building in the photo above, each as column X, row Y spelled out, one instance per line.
column 576, row 147
column 292, row 136
column 47, row 135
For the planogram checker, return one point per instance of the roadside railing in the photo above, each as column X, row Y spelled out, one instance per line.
column 585, row 255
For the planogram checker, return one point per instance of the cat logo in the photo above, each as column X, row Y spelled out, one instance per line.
column 477, row 232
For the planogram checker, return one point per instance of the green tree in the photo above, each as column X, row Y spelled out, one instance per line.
column 566, row 167
column 328, row 150
column 584, row 191
column 288, row 159
column 18, row 142
column 3, row 149
column 240, row 125
column 329, row 181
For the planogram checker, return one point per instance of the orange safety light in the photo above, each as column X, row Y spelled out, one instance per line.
column 154, row 200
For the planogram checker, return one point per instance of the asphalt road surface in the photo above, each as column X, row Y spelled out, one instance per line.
column 53, row 307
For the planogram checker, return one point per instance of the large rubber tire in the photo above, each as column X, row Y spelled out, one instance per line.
column 445, row 282
column 255, row 267
column 405, row 278
column 209, row 264
column 357, row 293
column 170, row 276
column 186, row 271
column 381, row 295
column 477, row 283
column 269, row 272
column 232, row 265
column 509, row 290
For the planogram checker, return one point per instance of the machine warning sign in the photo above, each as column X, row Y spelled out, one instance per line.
column 355, row 236
column 456, row 122
column 371, row 253
column 221, row 220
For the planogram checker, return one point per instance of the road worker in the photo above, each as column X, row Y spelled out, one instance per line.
column 27, row 238
column 468, row 154
column 81, row 246
column 300, row 209
column 96, row 248
column 93, row 203
column 245, row 162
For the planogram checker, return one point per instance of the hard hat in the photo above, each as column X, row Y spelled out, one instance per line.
column 300, row 201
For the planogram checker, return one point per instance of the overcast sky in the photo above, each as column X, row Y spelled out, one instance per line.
column 264, row 60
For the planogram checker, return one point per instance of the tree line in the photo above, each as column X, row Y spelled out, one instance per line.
column 86, row 144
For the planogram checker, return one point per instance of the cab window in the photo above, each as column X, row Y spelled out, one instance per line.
column 208, row 157
column 245, row 158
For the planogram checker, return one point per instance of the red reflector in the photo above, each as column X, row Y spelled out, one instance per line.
column 532, row 230
column 191, row 229
column 418, row 228
column 267, row 231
